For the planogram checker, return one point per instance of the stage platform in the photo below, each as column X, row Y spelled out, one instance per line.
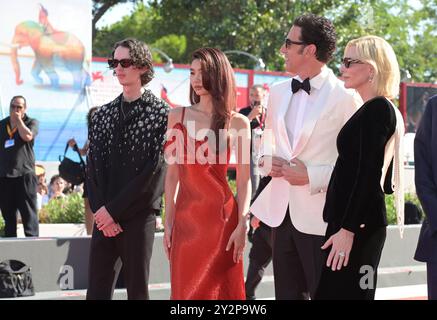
column 60, row 267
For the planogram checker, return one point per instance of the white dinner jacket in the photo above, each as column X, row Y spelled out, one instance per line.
column 329, row 110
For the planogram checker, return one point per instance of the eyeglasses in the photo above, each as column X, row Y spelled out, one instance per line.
column 125, row 63
column 348, row 61
column 289, row 42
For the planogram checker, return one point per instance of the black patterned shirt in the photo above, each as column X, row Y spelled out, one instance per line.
column 125, row 166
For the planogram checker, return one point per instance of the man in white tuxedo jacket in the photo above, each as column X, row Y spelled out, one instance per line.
column 299, row 151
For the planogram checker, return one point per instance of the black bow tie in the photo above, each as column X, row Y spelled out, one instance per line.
column 296, row 85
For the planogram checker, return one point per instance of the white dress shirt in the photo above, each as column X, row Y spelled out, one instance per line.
column 299, row 105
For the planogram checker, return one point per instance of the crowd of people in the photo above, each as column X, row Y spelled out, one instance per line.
column 311, row 189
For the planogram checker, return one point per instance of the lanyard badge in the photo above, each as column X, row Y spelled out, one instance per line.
column 10, row 142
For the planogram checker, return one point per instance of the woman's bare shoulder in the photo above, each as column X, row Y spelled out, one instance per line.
column 239, row 121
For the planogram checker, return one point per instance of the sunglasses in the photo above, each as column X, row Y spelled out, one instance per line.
column 348, row 61
column 289, row 42
column 125, row 63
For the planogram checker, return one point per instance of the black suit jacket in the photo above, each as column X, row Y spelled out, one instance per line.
column 425, row 158
column 354, row 195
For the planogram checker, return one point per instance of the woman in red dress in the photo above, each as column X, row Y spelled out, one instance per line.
column 205, row 225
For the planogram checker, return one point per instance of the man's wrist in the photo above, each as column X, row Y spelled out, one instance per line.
column 20, row 119
column 20, row 123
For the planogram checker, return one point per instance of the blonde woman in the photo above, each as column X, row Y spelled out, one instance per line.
column 369, row 164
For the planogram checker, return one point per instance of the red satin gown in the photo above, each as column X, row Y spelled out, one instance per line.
column 205, row 216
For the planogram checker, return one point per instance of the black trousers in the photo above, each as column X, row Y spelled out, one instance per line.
column 254, row 177
column 260, row 256
column 356, row 281
column 431, row 277
column 19, row 194
column 133, row 247
column 297, row 261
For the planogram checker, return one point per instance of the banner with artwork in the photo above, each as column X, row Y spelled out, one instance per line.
column 45, row 55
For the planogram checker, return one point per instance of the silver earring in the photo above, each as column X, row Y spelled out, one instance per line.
column 371, row 78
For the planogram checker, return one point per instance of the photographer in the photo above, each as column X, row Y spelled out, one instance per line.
column 18, row 182
column 256, row 113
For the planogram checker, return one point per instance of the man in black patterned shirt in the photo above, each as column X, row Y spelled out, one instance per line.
column 125, row 175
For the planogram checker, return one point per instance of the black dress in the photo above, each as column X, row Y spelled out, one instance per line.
column 355, row 200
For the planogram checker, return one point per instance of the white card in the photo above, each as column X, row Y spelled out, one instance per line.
column 9, row 143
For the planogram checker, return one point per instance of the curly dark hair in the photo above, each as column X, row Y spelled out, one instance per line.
column 320, row 32
column 141, row 56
